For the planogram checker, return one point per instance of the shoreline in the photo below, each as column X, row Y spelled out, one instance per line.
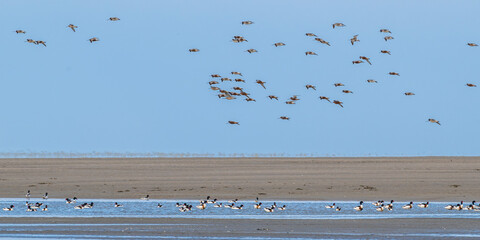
column 446, row 179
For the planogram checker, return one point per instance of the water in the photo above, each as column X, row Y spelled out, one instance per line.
column 294, row 210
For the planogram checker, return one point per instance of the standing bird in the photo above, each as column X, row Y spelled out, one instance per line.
column 434, row 121
column 45, row 196
column 251, row 50
column 233, row 123
column 284, row 118
column 325, row 98
column 310, row 86
column 310, row 53
column 385, row 51
column 20, row 31
column 247, row 22
column 113, row 19
column 261, row 83
column 366, row 59
column 279, row 44
column 354, row 39
column 194, row 50
column 338, row 25
column 28, row 194
column 388, row 38
column 469, row 44
column 394, row 73
column 72, row 27
column 338, row 103
column 94, row 39
column 385, row 31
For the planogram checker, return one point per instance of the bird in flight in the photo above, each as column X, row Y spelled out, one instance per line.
column 338, row 25
column 273, row 97
column 325, row 98
column 409, row 94
column 215, row 76
column 310, row 53
column 212, row 83
column 284, row 118
column 338, row 103
column 394, row 73
column 261, row 83
column 385, row 51
column 225, row 79
column 469, row 44
column 290, row 102
column 239, row 80
column 252, row 50
column 233, row 123
column 41, row 42
column 471, row 85
column 236, row 73
column 385, row 31
column 310, row 35
column 338, row 84
column 366, row 59
column 371, row 81
column 434, row 121
column 72, row 27
column 247, row 22
column 279, row 44
column 94, row 39
column 20, row 31
column 310, row 86
column 354, row 39
column 30, row 41
column 322, row 41
column 194, row 50
column 357, row 61
column 347, row 91
column 113, row 19
column 388, row 38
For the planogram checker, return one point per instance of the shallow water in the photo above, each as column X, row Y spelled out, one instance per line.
column 294, row 210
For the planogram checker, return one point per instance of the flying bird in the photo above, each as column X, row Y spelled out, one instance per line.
column 347, row 91
column 284, row 118
column 434, row 121
column 394, row 73
column 338, row 25
column 236, row 73
column 212, row 82
column 30, row 41
column 471, row 85
column 371, row 81
column 194, row 50
column 72, row 27
column 273, row 97
column 310, row 53
column 322, row 41
column 310, row 34
column 279, row 44
column 385, row 31
column 247, row 22
column 366, row 59
column 20, row 31
column 113, row 19
column 214, row 88
column 239, row 80
column 388, row 38
column 310, row 86
column 233, row 122
column 469, row 44
column 354, row 39
column 338, row 103
column 215, row 76
column 338, row 84
column 409, row 94
column 249, row 99
column 41, row 42
column 238, row 88
column 290, row 102
column 325, row 98
column 357, row 61
column 261, row 83
column 385, row 51
column 252, row 50
column 225, row 79
column 94, row 39
column 294, row 98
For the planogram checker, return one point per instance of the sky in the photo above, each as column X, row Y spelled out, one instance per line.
column 139, row 89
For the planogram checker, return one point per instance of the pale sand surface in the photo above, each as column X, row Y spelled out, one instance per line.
column 333, row 229
column 415, row 178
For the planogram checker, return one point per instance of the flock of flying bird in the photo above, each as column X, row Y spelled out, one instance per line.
column 380, row 205
column 239, row 91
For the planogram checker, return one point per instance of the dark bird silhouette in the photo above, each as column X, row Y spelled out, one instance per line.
column 338, row 84
column 471, row 85
column 252, row 50
column 236, row 73
column 354, row 39
column 239, row 80
column 385, row 31
column 322, row 41
column 41, row 42
column 472, row 44
column 388, row 38
column 310, row 34
column 347, row 91
column 394, row 73
column 371, row 81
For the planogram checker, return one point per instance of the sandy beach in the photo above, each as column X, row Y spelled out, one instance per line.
column 234, row 229
column 415, row 178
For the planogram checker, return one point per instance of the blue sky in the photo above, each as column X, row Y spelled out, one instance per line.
column 139, row 89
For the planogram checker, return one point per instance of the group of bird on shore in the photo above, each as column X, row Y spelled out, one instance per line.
column 239, row 91
column 379, row 205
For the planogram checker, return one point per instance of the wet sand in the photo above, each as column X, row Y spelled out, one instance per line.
column 234, row 229
column 402, row 179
